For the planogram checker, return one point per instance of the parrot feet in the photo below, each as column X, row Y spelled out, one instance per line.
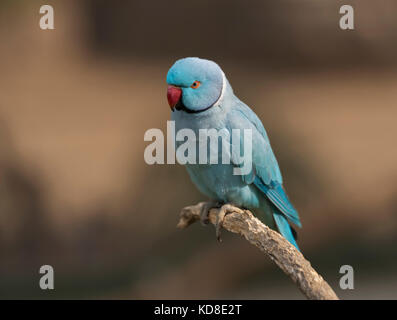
column 205, row 211
column 223, row 211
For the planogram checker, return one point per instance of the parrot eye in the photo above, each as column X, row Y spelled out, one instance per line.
column 195, row 84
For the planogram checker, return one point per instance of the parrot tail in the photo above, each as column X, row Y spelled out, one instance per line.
column 284, row 228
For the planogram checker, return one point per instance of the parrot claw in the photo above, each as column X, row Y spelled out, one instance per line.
column 205, row 211
column 224, row 210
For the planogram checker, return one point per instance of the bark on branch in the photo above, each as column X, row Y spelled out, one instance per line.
column 284, row 254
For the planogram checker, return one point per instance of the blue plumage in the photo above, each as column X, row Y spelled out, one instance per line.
column 284, row 227
column 213, row 105
column 277, row 196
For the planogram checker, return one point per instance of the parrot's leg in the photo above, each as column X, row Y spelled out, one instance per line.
column 224, row 210
column 205, row 211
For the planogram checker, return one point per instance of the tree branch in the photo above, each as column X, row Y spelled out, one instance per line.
column 284, row 254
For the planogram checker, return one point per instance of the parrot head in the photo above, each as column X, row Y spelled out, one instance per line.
column 194, row 85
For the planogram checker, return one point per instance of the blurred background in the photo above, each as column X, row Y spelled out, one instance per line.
column 75, row 102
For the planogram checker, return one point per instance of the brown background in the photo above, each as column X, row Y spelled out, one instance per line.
column 75, row 103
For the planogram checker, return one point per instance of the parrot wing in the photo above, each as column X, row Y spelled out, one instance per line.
column 265, row 173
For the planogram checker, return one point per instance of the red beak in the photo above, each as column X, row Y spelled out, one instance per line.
column 173, row 95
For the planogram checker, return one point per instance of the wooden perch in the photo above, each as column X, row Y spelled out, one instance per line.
column 284, row 254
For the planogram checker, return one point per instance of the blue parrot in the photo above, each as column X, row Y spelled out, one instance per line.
column 201, row 97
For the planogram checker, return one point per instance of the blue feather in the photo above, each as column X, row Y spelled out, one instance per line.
column 284, row 227
column 277, row 196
